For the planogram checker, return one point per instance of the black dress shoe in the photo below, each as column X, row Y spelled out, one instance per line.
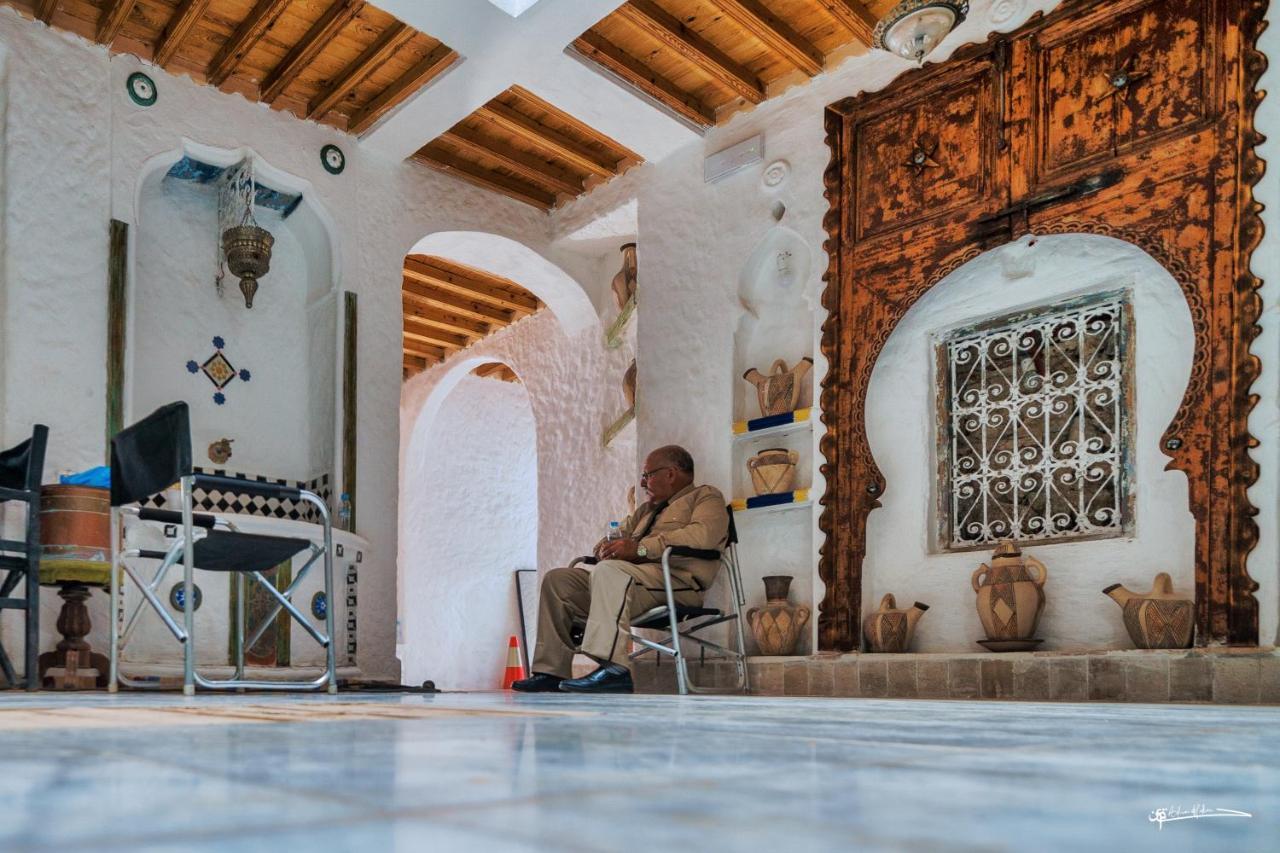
column 609, row 678
column 539, row 682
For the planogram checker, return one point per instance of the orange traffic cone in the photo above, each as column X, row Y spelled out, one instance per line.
column 515, row 669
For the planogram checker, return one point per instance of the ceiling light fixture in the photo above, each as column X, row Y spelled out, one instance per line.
column 913, row 28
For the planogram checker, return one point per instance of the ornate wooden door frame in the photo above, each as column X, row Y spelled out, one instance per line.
column 1130, row 119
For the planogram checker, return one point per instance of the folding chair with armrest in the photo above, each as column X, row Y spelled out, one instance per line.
column 684, row 622
column 20, row 470
column 147, row 458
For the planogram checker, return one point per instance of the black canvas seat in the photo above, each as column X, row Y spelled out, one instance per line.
column 147, row 458
column 21, row 468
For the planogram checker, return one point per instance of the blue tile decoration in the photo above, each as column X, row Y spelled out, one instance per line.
column 219, row 370
column 141, row 89
column 333, row 160
column 319, row 605
column 190, row 169
column 177, row 596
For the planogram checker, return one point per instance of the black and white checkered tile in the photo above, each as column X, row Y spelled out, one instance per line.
column 240, row 503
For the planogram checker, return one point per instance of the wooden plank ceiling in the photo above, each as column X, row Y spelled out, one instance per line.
column 341, row 62
column 448, row 307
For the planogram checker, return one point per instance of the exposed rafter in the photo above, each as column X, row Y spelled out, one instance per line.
column 184, row 19
column 530, row 168
column 243, row 40
column 544, row 137
column 391, row 40
column 446, row 320
column 854, row 16
column 44, row 9
column 774, row 33
column 654, row 20
column 422, row 73
column 436, row 335
column 496, row 370
column 633, row 71
column 473, row 308
column 112, row 18
column 323, row 31
column 451, row 277
column 437, row 157
column 423, row 350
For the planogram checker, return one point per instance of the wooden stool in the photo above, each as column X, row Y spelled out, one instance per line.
column 75, row 530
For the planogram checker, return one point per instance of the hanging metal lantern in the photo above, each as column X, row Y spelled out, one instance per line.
column 913, row 28
column 246, row 247
column 248, row 251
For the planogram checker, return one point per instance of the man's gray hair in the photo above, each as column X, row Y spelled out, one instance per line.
column 677, row 457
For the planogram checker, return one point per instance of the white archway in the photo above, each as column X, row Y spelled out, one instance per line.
column 510, row 259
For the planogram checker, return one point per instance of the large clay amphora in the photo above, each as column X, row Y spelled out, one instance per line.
column 777, row 625
column 1010, row 598
column 890, row 629
column 1161, row 619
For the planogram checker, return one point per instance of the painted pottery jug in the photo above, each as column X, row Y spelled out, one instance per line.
column 890, row 629
column 779, row 391
column 773, row 470
column 1161, row 619
column 777, row 625
column 629, row 385
column 624, row 283
column 1010, row 597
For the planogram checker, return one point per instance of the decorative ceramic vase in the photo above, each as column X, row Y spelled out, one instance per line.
column 890, row 629
column 1010, row 598
column 248, row 251
column 624, row 283
column 773, row 470
column 779, row 391
column 777, row 625
column 629, row 385
column 1161, row 619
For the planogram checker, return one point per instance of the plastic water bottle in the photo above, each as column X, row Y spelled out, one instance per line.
column 344, row 512
column 615, row 531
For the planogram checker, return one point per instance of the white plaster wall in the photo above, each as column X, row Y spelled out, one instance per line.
column 471, row 520
column 75, row 154
column 277, row 429
column 902, row 555
column 694, row 237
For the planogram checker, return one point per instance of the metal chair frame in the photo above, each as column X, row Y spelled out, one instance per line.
column 681, row 630
column 26, row 566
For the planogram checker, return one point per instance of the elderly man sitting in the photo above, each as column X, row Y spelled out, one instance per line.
column 628, row 579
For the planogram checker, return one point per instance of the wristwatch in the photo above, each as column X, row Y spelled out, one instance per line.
column 642, row 551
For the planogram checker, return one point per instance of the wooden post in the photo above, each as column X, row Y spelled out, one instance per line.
column 117, row 296
column 349, row 401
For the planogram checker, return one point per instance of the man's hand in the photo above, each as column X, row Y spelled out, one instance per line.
column 620, row 549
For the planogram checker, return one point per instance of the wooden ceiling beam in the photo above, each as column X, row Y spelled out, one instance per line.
column 247, row 35
column 497, row 370
column 44, row 10
column 113, row 16
column 392, row 39
column 432, row 353
column 854, row 16
column 322, row 32
column 600, row 50
column 544, row 137
column 446, row 320
column 771, row 30
column 503, row 296
column 414, row 364
column 437, row 298
column 434, row 334
column 528, row 167
column 423, row 72
column 436, row 157
column 179, row 27
column 658, row 24
column 412, row 337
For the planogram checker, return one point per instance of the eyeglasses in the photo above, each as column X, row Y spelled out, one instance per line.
column 646, row 475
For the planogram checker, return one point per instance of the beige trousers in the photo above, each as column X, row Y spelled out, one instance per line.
column 605, row 597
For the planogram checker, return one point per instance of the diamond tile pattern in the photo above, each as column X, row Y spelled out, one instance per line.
column 240, row 503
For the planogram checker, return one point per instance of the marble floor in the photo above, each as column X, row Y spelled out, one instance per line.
column 503, row 772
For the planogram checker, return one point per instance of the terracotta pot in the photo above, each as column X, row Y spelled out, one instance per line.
column 624, row 283
column 777, row 625
column 779, row 391
column 1161, row 619
column 890, row 629
column 1010, row 598
column 773, row 471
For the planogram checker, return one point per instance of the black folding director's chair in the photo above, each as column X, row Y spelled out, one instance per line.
column 20, row 470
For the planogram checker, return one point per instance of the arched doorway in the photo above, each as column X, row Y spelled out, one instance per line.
column 470, row 521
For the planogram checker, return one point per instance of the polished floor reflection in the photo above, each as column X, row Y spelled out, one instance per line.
column 502, row 772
